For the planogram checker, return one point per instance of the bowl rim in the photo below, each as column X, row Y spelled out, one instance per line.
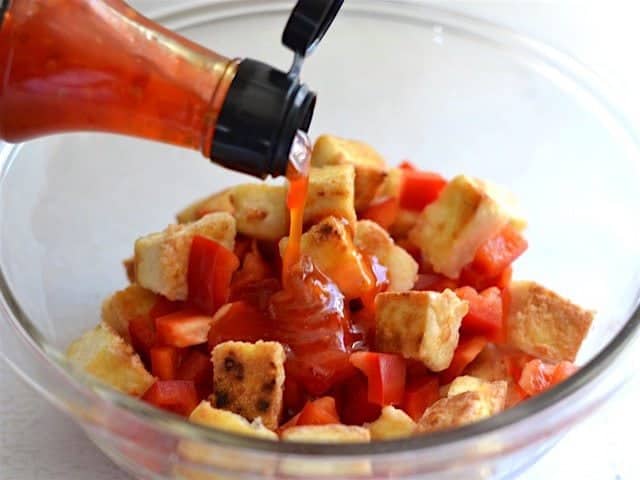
column 203, row 11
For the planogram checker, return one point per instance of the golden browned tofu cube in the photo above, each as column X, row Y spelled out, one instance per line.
column 261, row 210
column 331, row 193
column 373, row 240
column 544, row 324
column 101, row 352
column 248, row 379
column 327, row 434
column 493, row 392
column 466, row 214
column 162, row 259
column 218, row 202
column 392, row 423
column 420, row 325
column 124, row 305
column 456, row 411
column 205, row 414
column 330, row 246
column 370, row 167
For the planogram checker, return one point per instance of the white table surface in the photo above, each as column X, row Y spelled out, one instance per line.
column 37, row 443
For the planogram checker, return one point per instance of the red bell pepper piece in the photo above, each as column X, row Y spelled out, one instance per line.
column 143, row 336
column 177, row 396
column 184, row 328
column 499, row 252
column 386, row 374
column 211, row 267
column 321, row 411
column 238, row 321
column 538, row 376
column 355, row 408
column 419, row 395
column 467, row 350
column 163, row 307
column 419, row 189
column 485, row 312
column 196, row 366
column 383, row 212
column 164, row 362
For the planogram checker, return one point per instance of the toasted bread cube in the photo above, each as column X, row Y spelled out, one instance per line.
column 494, row 392
column 402, row 270
column 331, row 193
column 248, row 379
column 370, row 167
column 101, row 352
column 218, row 202
column 420, row 325
column 489, row 365
column 205, row 414
column 392, row 423
column 261, row 210
column 451, row 229
column 125, row 305
column 327, row 434
column 544, row 324
column 162, row 259
column 456, row 411
column 330, row 246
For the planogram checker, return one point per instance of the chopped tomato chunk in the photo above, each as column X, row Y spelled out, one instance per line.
column 178, row 396
column 164, row 362
column 383, row 211
column 485, row 312
column 183, row 329
column 419, row 395
column 419, row 189
column 434, row 282
column 499, row 252
column 538, row 376
column 210, row 269
column 386, row 374
column 467, row 350
column 321, row 411
column 355, row 408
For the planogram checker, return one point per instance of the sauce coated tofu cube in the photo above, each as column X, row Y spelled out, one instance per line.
column 261, row 210
column 371, row 239
column 101, row 352
column 331, row 193
column 162, row 259
column 327, row 434
column 248, row 379
column 217, row 202
column 466, row 214
column 544, row 324
column 420, row 325
column 370, row 167
column 124, row 305
column 392, row 423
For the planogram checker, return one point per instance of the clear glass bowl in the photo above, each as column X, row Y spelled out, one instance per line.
column 449, row 92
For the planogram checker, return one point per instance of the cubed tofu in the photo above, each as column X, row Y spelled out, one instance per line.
column 330, row 246
column 205, row 414
column 327, row 434
column 125, row 305
column 248, row 379
column 162, row 259
column 260, row 210
column 331, row 193
column 493, row 392
column 392, row 423
column 217, row 202
column 455, row 411
column 101, row 352
column 370, row 167
column 420, row 325
column 544, row 324
column 465, row 215
column 402, row 270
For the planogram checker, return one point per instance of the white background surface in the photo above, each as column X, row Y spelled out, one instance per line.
column 36, row 442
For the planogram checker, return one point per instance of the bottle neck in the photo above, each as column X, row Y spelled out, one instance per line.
column 73, row 65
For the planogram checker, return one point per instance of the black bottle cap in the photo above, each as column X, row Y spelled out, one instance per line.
column 265, row 107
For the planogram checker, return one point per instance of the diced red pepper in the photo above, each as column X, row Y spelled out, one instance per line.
column 321, row 411
column 467, row 350
column 294, row 397
column 197, row 367
column 183, row 329
column 211, row 267
column 434, row 282
column 538, row 376
column 164, row 362
column 355, row 407
column 419, row 189
column 383, row 212
column 178, row 396
column 238, row 321
column 143, row 336
column 485, row 312
column 386, row 374
column 419, row 395
column 499, row 252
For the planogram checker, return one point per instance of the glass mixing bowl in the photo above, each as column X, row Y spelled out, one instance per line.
column 451, row 93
